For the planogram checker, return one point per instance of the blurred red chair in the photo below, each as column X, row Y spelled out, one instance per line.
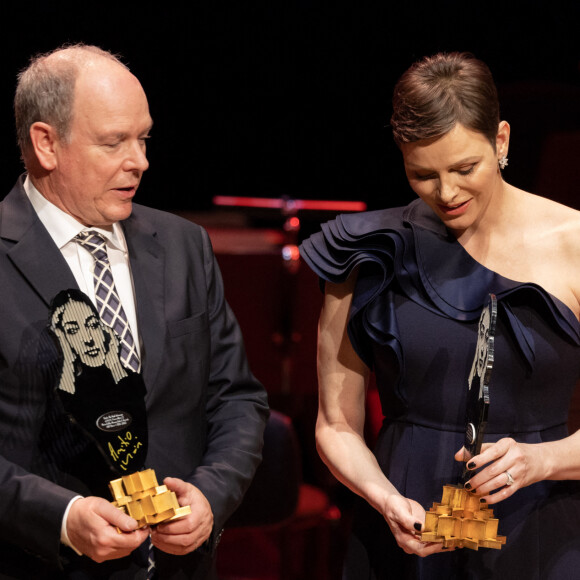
column 284, row 528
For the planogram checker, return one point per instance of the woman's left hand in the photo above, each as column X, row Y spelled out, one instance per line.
column 502, row 467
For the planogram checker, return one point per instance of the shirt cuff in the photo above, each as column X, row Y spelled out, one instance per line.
column 63, row 534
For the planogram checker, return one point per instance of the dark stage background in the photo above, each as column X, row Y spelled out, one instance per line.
column 292, row 99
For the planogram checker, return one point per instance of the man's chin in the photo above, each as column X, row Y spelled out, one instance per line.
column 117, row 215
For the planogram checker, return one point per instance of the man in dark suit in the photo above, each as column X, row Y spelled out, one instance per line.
column 82, row 122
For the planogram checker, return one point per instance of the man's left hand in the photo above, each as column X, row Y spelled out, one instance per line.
column 186, row 534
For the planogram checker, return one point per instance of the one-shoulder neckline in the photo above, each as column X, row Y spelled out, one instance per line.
column 410, row 250
column 559, row 302
column 421, row 215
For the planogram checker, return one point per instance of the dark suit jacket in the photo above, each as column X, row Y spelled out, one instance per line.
column 206, row 411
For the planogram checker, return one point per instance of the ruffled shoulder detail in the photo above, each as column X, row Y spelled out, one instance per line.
column 411, row 247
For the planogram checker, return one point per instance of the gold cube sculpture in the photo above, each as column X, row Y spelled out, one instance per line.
column 139, row 496
column 461, row 520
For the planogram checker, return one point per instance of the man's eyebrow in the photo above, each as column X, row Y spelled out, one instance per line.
column 112, row 135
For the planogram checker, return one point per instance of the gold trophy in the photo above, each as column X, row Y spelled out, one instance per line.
column 105, row 402
column 139, row 496
column 461, row 519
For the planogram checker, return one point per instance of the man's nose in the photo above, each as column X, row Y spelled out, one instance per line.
column 137, row 158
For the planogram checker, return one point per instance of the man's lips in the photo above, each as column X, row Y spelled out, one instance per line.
column 455, row 209
column 128, row 191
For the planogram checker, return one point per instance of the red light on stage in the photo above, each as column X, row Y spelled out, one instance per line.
column 237, row 201
column 322, row 205
column 290, row 253
column 292, row 224
column 293, row 204
column 291, row 257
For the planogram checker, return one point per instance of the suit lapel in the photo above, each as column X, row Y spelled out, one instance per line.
column 147, row 266
column 30, row 247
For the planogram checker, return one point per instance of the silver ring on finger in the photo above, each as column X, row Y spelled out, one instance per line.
column 510, row 479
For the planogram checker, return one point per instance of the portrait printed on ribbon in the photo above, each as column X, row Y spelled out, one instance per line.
column 84, row 339
column 106, row 399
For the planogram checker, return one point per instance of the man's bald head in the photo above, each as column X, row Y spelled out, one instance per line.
column 46, row 89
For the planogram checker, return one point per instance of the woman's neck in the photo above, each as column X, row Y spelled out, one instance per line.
column 496, row 225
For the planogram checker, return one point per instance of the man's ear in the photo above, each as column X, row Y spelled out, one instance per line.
column 44, row 140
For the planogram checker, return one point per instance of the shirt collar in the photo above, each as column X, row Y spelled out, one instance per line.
column 62, row 227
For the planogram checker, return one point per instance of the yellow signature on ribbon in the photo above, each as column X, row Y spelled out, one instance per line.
column 125, row 450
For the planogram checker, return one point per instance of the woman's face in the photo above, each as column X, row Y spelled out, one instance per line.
column 84, row 333
column 456, row 175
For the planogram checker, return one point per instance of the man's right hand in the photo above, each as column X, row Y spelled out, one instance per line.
column 92, row 529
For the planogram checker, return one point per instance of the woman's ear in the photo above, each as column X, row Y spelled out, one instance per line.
column 44, row 139
column 502, row 139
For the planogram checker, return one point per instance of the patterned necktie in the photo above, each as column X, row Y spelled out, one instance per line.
column 151, row 575
column 108, row 301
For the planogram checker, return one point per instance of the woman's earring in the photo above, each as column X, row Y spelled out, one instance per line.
column 503, row 161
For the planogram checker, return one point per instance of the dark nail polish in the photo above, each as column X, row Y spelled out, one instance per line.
column 417, row 526
column 473, row 491
column 471, row 465
column 467, row 485
column 481, row 500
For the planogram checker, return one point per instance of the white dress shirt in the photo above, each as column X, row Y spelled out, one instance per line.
column 63, row 228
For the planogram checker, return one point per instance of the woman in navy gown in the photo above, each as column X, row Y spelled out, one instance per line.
column 404, row 291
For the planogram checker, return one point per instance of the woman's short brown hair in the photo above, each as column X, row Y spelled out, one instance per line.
column 438, row 92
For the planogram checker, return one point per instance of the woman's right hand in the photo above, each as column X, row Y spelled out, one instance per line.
column 342, row 383
column 406, row 518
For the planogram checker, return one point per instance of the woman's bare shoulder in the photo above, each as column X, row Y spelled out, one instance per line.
column 550, row 218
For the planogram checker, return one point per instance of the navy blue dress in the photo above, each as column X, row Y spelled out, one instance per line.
column 413, row 321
